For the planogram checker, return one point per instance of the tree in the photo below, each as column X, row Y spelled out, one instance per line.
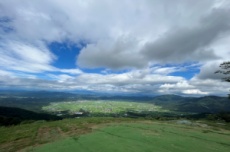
column 225, row 69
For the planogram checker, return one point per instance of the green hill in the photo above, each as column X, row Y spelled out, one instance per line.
column 13, row 116
column 208, row 104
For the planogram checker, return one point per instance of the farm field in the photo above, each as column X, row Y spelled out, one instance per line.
column 105, row 107
column 144, row 136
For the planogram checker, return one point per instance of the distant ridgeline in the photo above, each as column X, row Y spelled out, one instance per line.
column 14, row 116
column 208, row 104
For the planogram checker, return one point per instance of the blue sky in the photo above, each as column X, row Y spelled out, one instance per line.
column 114, row 46
column 66, row 53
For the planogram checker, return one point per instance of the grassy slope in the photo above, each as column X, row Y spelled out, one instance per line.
column 142, row 136
column 13, row 116
column 21, row 136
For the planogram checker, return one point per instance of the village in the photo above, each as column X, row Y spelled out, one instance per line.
column 100, row 108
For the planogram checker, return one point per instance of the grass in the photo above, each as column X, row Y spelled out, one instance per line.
column 102, row 107
column 113, row 134
column 21, row 136
column 144, row 137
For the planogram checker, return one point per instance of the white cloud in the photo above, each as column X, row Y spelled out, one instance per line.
column 176, row 88
column 70, row 71
column 29, row 58
column 167, row 70
column 136, row 81
column 213, row 86
column 62, row 78
column 195, row 91
column 25, row 57
column 3, row 73
column 181, row 85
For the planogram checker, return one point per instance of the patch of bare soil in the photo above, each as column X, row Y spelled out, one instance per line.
column 46, row 134
column 15, row 145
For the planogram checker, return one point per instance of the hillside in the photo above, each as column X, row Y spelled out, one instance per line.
column 13, row 116
column 115, row 134
column 208, row 104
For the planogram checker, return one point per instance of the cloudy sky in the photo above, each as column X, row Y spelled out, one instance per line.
column 115, row 46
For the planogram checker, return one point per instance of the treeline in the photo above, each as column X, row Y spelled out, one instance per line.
column 225, row 116
column 13, row 116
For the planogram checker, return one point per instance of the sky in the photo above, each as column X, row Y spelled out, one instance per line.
column 115, row 46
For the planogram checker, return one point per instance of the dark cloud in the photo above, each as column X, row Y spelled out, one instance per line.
column 190, row 43
column 207, row 71
column 121, row 54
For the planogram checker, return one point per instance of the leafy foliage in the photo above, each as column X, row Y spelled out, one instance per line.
column 225, row 69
